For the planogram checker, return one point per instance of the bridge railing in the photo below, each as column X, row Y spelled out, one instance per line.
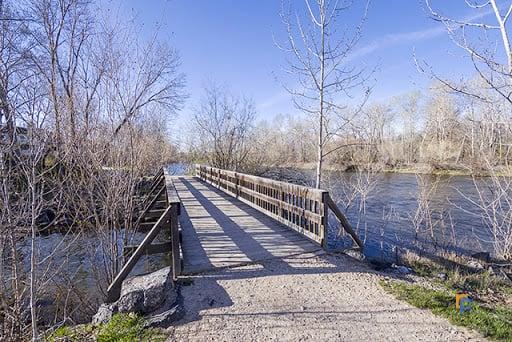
column 167, row 217
column 301, row 208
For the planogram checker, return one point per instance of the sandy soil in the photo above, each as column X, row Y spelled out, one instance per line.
column 311, row 297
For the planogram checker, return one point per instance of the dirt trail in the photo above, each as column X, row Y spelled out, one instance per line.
column 311, row 297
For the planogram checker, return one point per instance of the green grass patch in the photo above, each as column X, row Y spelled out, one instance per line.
column 82, row 332
column 477, row 283
column 121, row 328
column 495, row 323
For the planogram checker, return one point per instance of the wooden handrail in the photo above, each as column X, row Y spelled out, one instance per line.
column 155, row 185
column 114, row 290
column 148, row 207
column 175, row 204
column 170, row 216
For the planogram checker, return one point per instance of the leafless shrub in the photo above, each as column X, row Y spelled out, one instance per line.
column 492, row 207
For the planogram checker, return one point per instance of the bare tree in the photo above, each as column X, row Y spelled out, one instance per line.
column 488, row 47
column 320, row 62
column 83, row 117
column 407, row 107
column 478, row 39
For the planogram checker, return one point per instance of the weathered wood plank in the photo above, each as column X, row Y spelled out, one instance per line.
column 220, row 231
column 344, row 222
column 175, row 240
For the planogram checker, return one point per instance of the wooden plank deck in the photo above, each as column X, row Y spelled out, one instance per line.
column 220, row 231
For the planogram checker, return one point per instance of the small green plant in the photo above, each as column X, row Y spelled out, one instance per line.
column 78, row 333
column 492, row 322
column 121, row 328
column 61, row 333
column 127, row 328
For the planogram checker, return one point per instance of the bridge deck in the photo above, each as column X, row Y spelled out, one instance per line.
column 220, row 231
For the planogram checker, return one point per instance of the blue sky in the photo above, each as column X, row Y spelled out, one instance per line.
column 232, row 42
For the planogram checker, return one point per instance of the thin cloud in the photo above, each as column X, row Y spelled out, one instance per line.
column 274, row 100
column 405, row 37
column 395, row 39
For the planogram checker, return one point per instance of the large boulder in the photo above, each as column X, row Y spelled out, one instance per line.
column 146, row 293
column 165, row 318
column 132, row 302
column 104, row 313
column 152, row 295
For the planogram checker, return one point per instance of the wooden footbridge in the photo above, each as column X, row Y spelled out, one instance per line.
column 220, row 218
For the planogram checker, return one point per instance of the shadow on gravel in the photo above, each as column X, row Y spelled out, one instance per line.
column 205, row 291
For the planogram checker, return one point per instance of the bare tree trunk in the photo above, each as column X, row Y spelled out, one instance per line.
column 320, row 155
column 504, row 34
column 33, row 260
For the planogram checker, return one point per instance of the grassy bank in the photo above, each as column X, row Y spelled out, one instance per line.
column 494, row 322
column 121, row 328
column 434, row 284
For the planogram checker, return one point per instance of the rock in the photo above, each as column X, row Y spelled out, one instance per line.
column 146, row 293
column 442, row 276
column 475, row 264
column 152, row 295
column 132, row 302
column 401, row 269
column 355, row 253
column 482, row 256
column 104, row 313
column 164, row 319
column 155, row 281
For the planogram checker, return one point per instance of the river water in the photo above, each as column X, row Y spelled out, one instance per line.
column 449, row 219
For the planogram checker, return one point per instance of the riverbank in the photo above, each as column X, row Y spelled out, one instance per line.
column 309, row 297
column 422, row 169
column 432, row 284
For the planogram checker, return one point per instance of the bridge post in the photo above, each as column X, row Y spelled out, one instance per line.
column 175, row 244
column 324, row 211
column 237, row 182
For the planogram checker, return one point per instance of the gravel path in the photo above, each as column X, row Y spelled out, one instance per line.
column 310, row 297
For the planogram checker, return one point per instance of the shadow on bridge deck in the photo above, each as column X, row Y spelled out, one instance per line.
column 221, row 231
